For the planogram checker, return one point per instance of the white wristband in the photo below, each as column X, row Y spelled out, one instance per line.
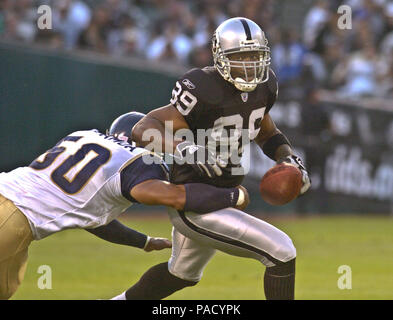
column 240, row 200
column 146, row 243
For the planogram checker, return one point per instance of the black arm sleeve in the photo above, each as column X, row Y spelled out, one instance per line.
column 203, row 198
column 120, row 234
column 273, row 143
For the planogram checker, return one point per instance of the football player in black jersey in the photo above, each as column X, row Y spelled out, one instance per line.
column 231, row 102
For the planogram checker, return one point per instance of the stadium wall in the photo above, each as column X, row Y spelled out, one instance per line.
column 45, row 95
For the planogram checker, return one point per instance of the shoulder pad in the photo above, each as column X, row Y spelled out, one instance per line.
column 272, row 83
column 203, row 84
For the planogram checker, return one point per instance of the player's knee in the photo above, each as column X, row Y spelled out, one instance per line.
column 290, row 251
column 286, row 251
column 282, row 269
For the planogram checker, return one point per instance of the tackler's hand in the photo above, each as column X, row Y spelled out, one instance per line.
column 295, row 160
column 157, row 244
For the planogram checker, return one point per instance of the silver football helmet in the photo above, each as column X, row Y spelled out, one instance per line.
column 238, row 35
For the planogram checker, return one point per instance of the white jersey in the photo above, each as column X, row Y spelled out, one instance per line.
column 76, row 184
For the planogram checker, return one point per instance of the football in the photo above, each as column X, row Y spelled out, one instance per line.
column 281, row 184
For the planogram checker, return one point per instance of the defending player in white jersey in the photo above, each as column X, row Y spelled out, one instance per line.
column 86, row 181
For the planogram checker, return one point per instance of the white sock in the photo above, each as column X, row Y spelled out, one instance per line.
column 121, row 296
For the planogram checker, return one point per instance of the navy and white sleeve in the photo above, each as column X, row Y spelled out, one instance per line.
column 137, row 172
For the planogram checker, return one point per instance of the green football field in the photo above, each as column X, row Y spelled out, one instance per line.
column 85, row 267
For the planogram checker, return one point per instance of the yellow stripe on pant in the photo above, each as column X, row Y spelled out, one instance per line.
column 15, row 238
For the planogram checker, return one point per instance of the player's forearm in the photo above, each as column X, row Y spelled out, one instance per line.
column 118, row 233
column 195, row 197
column 272, row 141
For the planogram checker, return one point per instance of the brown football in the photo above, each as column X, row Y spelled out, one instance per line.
column 281, row 184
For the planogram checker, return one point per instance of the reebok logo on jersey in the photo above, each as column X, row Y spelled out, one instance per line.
column 188, row 84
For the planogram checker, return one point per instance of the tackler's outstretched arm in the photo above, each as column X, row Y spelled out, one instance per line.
column 118, row 233
column 195, row 197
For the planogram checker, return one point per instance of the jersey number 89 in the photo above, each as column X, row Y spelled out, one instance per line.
column 187, row 99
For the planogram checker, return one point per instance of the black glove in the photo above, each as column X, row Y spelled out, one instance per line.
column 199, row 158
column 295, row 160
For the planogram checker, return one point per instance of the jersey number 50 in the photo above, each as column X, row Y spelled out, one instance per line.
column 86, row 161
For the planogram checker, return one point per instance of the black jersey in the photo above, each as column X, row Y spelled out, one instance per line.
column 214, row 108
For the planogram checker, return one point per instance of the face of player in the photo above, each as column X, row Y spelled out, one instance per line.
column 245, row 65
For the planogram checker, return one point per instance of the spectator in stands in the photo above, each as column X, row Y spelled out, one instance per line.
column 287, row 58
column 70, row 19
column 385, row 85
column 386, row 49
column 126, row 38
column 202, row 37
column 180, row 31
column 10, row 26
column 170, row 45
column 315, row 20
column 211, row 13
column 201, row 56
column 357, row 76
column 18, row 20
column 95, row 36
column 387, row 41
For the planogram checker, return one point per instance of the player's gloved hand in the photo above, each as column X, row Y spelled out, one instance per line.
column 295, row 160
column 199, row 158
column 157, row 244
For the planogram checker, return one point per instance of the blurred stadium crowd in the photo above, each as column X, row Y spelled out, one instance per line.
column 355, row 62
